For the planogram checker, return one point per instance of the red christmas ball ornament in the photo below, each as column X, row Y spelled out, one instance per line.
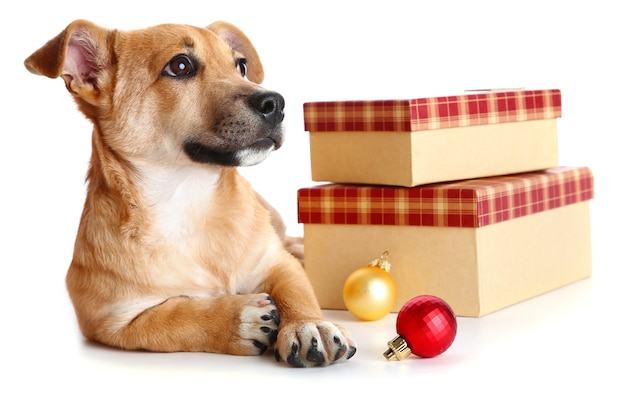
column 426, row 326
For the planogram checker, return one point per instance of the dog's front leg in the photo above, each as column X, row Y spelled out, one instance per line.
column 204, row 325
column 305, row 339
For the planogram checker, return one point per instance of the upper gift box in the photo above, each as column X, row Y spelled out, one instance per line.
column 429, row 140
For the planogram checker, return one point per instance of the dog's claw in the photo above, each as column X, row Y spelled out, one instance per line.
column 273, row 316
column 294, row 358
column 314, row 355
column 351, row 352
column 261, row 346
column 341, row 350
column 272, row 334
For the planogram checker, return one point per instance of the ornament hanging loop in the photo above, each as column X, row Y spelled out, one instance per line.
column 382, row 262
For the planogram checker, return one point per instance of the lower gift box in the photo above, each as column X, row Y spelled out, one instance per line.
column 481, row 244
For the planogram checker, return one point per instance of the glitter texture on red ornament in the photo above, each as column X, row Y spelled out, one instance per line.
column 428, row 325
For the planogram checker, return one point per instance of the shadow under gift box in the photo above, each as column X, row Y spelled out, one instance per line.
column 439, row 139
column 480, row 244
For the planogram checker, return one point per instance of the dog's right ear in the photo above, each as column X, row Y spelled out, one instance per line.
column 240, row 43
column 81, row 55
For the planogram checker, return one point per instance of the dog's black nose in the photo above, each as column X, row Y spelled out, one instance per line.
column 269, row 105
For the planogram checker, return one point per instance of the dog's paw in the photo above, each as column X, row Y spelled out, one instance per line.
column 313, row 344
column 258, row 328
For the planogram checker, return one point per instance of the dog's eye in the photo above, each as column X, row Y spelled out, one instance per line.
column 179, row 66
column 241, row 66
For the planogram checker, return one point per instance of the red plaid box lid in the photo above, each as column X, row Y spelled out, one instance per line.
column 469, row 203
column 433, row 113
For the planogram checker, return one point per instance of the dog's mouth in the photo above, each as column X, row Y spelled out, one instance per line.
column 264, row 144
column 242, row 157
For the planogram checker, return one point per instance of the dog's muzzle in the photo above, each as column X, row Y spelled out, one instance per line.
column 253, row 142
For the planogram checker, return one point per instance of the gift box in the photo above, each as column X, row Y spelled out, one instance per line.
column 427, row 140
column 480, row 244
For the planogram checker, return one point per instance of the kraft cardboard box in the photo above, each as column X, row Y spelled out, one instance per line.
column 481, row 244
column 438, row 139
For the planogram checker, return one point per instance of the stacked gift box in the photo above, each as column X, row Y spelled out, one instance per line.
column 465, row 192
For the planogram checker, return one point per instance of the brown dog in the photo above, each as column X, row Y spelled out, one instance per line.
column 175, row 250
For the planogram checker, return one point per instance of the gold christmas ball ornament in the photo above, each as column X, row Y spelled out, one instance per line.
column 370, row 292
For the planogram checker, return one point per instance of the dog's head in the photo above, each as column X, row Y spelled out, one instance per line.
column 168, row 93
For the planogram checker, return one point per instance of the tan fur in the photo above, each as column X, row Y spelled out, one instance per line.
column 174, row 253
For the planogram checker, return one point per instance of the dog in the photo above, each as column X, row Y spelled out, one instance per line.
column 175, row 251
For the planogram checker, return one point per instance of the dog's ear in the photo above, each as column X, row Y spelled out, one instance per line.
column 240, row 43
column 81, row 55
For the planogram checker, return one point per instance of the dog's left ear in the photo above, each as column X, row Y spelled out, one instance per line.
column 240, row 43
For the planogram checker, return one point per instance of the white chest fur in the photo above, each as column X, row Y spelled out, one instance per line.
column 179, row 199
column 196, row 243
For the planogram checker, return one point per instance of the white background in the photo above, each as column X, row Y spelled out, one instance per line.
column 572, row 338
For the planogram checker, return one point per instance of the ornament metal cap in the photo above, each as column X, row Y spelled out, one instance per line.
column 382, row 262
column 398, row 349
